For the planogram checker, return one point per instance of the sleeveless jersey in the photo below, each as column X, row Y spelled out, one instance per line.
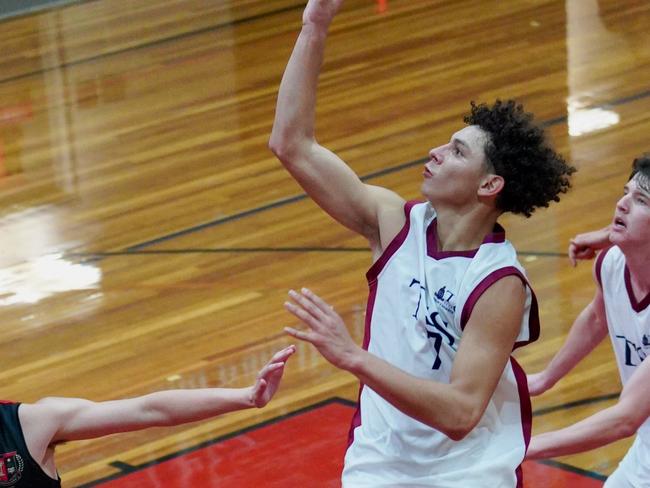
column 628, row 321
column 17, row 467
column 420, row 300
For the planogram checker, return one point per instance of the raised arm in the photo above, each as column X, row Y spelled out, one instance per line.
column 609, row 425
column 454, row 408
column 53, row 420
column 588, row 330
column 585, row 246
column 322, row 174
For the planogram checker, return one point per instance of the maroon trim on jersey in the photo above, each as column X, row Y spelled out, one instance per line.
column 489, row 280
column 497, row 236
column 356, row 418
column 526, row 412
column 395, row 244
column 598, row 265
column 636, row 306
column 6, row 402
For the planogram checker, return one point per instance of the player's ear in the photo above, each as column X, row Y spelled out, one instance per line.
column 491, row 185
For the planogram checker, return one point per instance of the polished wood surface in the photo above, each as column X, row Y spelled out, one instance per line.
column 150, row 237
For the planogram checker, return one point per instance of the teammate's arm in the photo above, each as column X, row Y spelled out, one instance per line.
column 588, row 330
column 585, row 246
column 609, row 425
column 454, row 408
column 323, row 175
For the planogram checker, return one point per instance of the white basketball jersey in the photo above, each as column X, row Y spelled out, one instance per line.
column 628, row 320
column 420, row 300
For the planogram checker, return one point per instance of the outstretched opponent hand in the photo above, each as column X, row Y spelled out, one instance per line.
column 326, row 329
column 320, row 12
column 584, row 246
column 268, row 379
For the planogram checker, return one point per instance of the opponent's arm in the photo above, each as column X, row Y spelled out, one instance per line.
column 53, row 420
column 454, row 408
column 323, row 175
column 609, row 425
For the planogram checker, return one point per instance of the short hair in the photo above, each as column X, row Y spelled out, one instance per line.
column 641, row 167
column 516, row 148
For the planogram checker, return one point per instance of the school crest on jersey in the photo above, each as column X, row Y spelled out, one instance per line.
column 11, row 468
column 444, row 297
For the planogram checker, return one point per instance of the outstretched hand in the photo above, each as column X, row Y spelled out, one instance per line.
column 584, row 246
column 268, row 379
column 320, row 12
column 326, row 329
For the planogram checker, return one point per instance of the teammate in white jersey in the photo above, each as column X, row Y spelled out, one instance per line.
column 620, row 309
column 435, row 410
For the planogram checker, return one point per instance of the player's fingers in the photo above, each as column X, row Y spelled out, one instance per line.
column 306, row 303
column 283, row 354
column 302, row 335
column 318, row 301
column 304, row 315
column 269, row 368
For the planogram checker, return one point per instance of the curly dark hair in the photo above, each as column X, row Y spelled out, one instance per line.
column 641, row 166
column 534, row 174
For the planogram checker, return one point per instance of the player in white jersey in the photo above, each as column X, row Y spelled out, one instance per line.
column 620, row 309
column 442, row 403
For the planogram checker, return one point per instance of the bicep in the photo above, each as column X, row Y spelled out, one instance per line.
column 75, row 418
column 488, row 339
column 332, row 184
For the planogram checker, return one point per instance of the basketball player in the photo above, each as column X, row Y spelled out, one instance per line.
column 435, row 410
column 30, row 432
column 620, row 308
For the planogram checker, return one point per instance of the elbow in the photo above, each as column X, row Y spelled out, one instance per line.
column 461, row 424
column 625, row 427
column 279, row 146
column 460, row 431
column 283, row 148
column 288, row 148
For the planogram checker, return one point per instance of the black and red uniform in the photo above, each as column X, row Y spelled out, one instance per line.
column 17, row 467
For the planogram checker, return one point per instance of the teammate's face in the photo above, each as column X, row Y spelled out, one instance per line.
column 631, row 223
column 454, row 171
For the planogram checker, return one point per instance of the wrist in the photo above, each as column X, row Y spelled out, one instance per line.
column 319, row 29
column 355, row 361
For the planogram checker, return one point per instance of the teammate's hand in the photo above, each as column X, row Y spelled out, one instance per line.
column 584, row 246
column 326, row 328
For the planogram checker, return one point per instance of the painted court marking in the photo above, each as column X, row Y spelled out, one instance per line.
column 302, row 449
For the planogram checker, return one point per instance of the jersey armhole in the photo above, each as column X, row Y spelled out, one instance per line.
column 489, row 280
column 398, row 240
column 598, row 266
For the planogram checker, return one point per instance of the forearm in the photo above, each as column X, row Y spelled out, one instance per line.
column 180, row 406
column 587, row 332
column 296, row 105
column 606, row 426
column 443, row 406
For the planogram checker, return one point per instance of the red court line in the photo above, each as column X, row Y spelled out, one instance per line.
column 303, row 450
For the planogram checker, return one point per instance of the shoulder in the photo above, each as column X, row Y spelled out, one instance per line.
column 607, row 262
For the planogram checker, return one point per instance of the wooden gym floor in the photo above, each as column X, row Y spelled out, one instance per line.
column 149, row 236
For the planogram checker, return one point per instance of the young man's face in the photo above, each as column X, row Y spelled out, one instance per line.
column 454, row 171
column 631, row 223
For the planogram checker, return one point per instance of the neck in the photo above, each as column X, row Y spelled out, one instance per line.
column 461, row 231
